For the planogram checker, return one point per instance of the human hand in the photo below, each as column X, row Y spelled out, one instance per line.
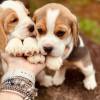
column 21, row 63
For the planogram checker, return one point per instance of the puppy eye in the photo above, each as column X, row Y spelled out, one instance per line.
column 60, row 33
column 40, row 31
column 15, row 20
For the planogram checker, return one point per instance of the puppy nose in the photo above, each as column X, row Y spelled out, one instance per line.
column 31, row 28
column 47, row 49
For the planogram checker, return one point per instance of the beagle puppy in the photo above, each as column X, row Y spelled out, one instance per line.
column 15, row 25
column 14, row 22
column 58, row 36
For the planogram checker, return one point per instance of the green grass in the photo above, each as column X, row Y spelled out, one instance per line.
column 90, row 28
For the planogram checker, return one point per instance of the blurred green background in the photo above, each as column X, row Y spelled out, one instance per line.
column 86, row 11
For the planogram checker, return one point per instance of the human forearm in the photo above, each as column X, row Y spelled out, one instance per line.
column 10, row 96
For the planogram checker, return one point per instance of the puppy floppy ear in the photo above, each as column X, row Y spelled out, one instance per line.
column 75, row 31
column 3, row 39
column 34, row 19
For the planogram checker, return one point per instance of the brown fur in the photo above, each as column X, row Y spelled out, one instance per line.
column 41, row 25
column 80, row 55
column 6, row 27
column 65, row 18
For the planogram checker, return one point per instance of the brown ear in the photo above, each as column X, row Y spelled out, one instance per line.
column 3, row 39
column 34, row 18
column 75, row 32
column 36, row 13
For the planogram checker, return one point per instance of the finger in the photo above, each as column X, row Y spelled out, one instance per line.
column 40, row 67
column 5, row 56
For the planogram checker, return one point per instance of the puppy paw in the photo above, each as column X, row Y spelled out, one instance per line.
column 47, row 81
column 14, row 47
column 30, row 50
column 30, row 47
column 37, row 58
column 54, row 63
column 90, row 82
column 58, row 80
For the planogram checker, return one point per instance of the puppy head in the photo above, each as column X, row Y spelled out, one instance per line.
column 56, row 28
column 14, row 22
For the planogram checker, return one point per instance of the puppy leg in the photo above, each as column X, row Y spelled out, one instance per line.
column 14, row 47
column 30, row 46
column 89, row 72
column 44, row 80
column 59, row 76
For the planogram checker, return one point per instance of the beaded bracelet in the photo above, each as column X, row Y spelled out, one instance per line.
column 20, row 85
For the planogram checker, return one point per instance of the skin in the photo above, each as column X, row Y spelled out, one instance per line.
column 21, row 63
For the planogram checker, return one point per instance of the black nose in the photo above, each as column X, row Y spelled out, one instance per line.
column 47, row 49
column 31, row 28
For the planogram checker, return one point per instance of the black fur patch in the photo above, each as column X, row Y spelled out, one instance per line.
column 78, row 53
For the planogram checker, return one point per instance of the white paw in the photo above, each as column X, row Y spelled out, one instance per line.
column 47, row 82
column 29, row 50
column 13, row 48
column 90, row 82
column 30, row 46
column 54, row 63
column 58, row 80
column 37, row 58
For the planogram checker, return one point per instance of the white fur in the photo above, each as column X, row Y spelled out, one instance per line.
column 89, row 81
column 21, row 30
column 37, row 58
column 81, row 42
column 31, row 49
column 9, row 37
column 51, row 19
column 14, row 46
column 50, row 39
column 59, row 77
column 54, row 63
column 44, row 80
column 30, row 46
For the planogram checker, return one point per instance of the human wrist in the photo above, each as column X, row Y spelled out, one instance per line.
column 12, row 96
column 19, row 81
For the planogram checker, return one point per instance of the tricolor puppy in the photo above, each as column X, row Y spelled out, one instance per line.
column 57, row 32
column 15, row 25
